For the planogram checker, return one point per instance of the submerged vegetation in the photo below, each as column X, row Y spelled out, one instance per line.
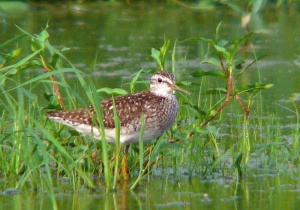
column 209, row 139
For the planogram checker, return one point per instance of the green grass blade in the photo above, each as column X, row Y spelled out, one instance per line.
column 141, row 153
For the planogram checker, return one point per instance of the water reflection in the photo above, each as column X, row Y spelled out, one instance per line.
column 257, row 192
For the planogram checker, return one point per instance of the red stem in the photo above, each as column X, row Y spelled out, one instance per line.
column 228, row 96
column 55, row 86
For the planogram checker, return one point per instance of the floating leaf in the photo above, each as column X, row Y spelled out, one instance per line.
column 110, row 91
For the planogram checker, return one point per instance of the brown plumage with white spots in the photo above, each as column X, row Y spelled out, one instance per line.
column 159, row 107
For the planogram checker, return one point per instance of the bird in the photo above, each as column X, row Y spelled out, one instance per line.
column 158, row 107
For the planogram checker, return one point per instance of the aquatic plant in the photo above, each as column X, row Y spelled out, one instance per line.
column 227, row 69
column 53, row 150
column 40, row 154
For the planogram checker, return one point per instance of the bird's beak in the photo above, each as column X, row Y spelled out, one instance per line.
column 176, row 88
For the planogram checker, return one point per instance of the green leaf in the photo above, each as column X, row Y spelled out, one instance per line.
column 163, row 52
column 53, row 106
column 185, row 83
column 16, row 53
column 135, row 78
column 223, row 42
column 253, row 87
column 201, row 130
column 2, row 60
column 213, row 72
column 209, row 41
column 236, row 43
column 55, row 58
column 65, row 49
column 35, row 46
column 239, row 63
column 31, row 64
column 238, row 162
column 12, row 71
column 213, row 61
column 211, row 113
column 217, row 31
column 39, row 42
column 112, row 91
column 155, row 55
column 21, row 62
column 248, row 66
column 258, row 5
column 43, row 36
column 13, row 40
column 212, row 129
column 49, row 96
column 161, row 56
column 221, row 49
column 46, row 76
column 216, row 91
column 197, row 109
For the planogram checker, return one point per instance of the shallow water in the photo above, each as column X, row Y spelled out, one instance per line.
column 264, row 191
column 111, row 41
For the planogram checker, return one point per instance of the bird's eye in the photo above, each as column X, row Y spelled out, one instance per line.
column 159, row 80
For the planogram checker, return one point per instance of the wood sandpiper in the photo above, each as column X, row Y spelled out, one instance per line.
column 158, row 106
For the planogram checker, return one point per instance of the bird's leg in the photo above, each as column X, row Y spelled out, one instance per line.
column 125, row 163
